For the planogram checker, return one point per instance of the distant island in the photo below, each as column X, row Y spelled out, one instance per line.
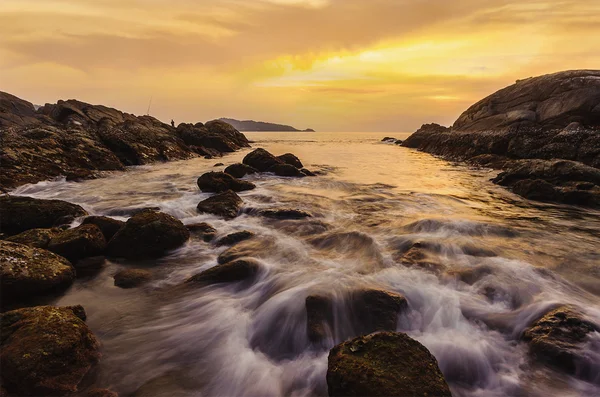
column 251, row 125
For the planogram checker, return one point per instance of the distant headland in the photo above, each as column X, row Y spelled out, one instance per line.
column 251, row 125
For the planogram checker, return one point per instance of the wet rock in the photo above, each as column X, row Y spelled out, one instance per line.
column 101, row 393
column 218, row 165
column 226, row 204
column 148, row 235
column 384, row 364
column 419, row 258
column 203, row 230
column 286, row 170
column 471, row 275
column 237, row 270
column 38, row 238
column 388, row 139
column 291, row 159
column 234, row 238
column 19, row 214
column 108, row 226
column 27, row 271
column 219, row 182
column 255, row 248
column 376, row 310
column 240, row 170
column 284, row 213
column 557, row 338
column 78, row 243
column 132, row 278
column 319, row 318
column 131, row 211
column 46, row 350
column 261, row 160
column 307, row 172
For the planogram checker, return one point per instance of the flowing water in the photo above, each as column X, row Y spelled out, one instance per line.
column 370, row 205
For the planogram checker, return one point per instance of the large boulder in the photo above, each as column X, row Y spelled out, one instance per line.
column 26, row 271
column 384, row 364
column 46, row 350
column 18, row 213
column 291, row 159
column 78, row 243
column 239, row 170
column 108, row 226
column 148, row 234
column 220, row 182
column 376, row 310
column 37, row 238
column 243, row 269
column 226, row 204
column 261, row 160
column 558, row 338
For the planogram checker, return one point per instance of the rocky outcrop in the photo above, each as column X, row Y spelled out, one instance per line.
column 261, row 160
column 285, row 165
column 108, row 226
column 251, row 125
column 18, row 214
column 132, row 278
column 46, row 350
column 148, row 234
column 26, row 271
column 242, row 269
column 547, row 118
column 79, row 140
column 219, row 182
column 226, row 204
column 384, row 364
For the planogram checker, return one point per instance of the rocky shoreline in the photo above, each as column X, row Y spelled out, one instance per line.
column 543, row 132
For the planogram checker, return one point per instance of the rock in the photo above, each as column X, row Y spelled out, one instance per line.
column 37, row 238
column 291, row 159
column 23, row 213
column 284, row 213
column 78, row 243
column 131, row 278
column 203, row 230
column 307, row 172
column 108, row 226
column 286, row 170
column 101, row 393
column 319, row 318
column 471, row 275
column 558, row 338
column 388, row 139
column 240, row 170
column 384, row 364
column 148, row 234
column 237, row 270
column 226, row 204
column 15, row 111
column 218, row 165
column 376, row 310
column 261, row 160
column 234, row 238
column 46, row 350
column 28, row 271
column 227, row 131
column 219, row 182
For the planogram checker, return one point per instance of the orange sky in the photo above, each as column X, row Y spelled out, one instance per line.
column 337, row 65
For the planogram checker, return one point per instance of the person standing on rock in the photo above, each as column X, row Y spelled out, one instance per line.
column 172, row 123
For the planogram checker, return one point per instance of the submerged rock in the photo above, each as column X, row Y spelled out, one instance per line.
column 237, row 270
column 226, row 204
column 46, row 350
column 203, row 230
column 27, row 271
column 384, row 364
column 240, row 170
column 19, row 214
column 319, row 318
column 557, row 338
column 261, row 160
column 78, row 243
column 131, row 278
column 376, row 310
column 148, row 234
column 219, row 182
column 291, row 159
column 235, row 238
column 108, row 226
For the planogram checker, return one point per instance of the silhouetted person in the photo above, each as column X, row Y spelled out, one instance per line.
column 172, row 123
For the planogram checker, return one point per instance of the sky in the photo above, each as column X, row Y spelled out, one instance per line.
column 331, row 65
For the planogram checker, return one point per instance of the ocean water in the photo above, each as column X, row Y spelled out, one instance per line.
column 371, row 202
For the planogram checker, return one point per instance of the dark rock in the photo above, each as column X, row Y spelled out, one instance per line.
column 376, row 310
column 37, row 238
column 131, row 211
column 319, row 318
column 237, row 270
column 27, row 271
column 291, row 159
column 557, row 338
column 261, row 160
column 218, row 165
column 131, row 278
column 78, row 243
column 18, row 214
column 148, row 234
column 240, row 170
column 226, row 204
column 384, row 364
column 203, row 230
column 234, row 238
column 307, row 172
column 45, row 350
column 101, row 393
column 108, row 226
column 15, row 111
column 227, row 131
column 284, row 213
column 388, row 139
column 220, row 182
column 286, row 170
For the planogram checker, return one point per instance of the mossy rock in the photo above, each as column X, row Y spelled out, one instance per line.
column 46, row 350
column 148, row 234
column 23, row 213
column 132, row 278
column 81, row 242
column 37, row 238
column 107, row 225
column 384, row 364
column 226, row 204
column 26, row 271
